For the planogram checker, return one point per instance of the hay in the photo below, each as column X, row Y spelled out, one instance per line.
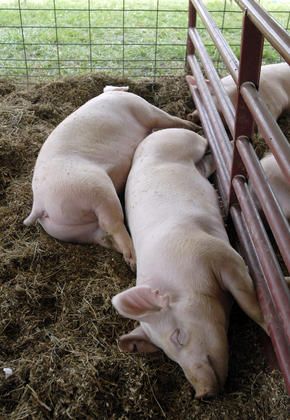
column 58, row 330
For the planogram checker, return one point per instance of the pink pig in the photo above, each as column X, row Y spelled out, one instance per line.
column 278, row 182
column 186, row 268
column 274, row 89
column 84, row 164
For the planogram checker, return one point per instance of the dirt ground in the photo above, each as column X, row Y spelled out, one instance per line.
column 58, row 329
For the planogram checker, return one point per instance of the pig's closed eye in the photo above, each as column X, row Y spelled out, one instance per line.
column 179, row 337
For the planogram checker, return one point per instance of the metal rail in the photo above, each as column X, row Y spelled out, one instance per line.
column 265, row 269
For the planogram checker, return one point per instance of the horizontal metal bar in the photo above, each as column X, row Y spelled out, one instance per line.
column 31, row 69
column 101, row 9
column 94, row 60
column 201, row 28
column 271, row 270
column 229, row 58
column 86, row 44
column 271, row 317
column 87, row 27
column 54, row 44
column 119, row 10
column 216, row 85
column 271, row 29
column 214, row 117
column 268, row 127
column 276, row 219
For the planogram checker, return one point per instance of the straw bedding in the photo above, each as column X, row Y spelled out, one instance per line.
column 58, row 330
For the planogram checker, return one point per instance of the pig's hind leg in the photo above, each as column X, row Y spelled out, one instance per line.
column 160, row 119
column 112, row 231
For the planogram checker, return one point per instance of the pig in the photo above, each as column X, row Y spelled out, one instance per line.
column 274, row 89
column 83, row 166
column 187, row 271
column 278, row 183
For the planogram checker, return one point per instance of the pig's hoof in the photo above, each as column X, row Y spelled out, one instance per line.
column 204, row 394
column 131, row 261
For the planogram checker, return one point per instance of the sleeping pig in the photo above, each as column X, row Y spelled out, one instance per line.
column 84, row 164
column 186, row 268
column 274, row 89
column 278, row 182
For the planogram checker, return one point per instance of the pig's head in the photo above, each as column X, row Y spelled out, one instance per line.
column 183, row 329
column 191, row 328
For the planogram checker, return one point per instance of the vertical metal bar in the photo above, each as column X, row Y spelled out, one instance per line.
column 23, row 42
column 156, row 40
column 90, row 34
column 123, row 55
column 288, row 21
column 191, row 24
column 56, row 38
column 250, row 67
column 222, row 31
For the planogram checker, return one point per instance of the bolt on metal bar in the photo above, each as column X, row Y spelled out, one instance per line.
column 271, row 270
column 271, row 317
column 271, row 29
column 220, row 132
column 216, row 85
column 268, row 127
column 224, row 49
column 275, row 217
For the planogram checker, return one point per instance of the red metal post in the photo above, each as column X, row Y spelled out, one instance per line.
column 191, row 24
column 273, row 31
column 250, row 67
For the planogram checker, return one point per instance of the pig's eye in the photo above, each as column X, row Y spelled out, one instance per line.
column 179, row 337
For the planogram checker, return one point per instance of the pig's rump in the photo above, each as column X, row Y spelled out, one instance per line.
column 68, row 197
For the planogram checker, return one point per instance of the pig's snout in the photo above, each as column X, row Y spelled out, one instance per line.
column 204, row 379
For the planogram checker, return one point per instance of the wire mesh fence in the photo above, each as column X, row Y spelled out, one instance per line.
column 129, row 38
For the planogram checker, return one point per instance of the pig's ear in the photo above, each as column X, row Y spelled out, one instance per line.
column 140, row 302
column 236, row 279
column 137, row 341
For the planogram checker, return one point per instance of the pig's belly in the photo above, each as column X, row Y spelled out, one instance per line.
column 80, row 233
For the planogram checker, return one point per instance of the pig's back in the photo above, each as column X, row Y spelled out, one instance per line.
column 278, row 182
column 102, row 130
column 170, row 197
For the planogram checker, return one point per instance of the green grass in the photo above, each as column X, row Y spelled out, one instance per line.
column 39, row 50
